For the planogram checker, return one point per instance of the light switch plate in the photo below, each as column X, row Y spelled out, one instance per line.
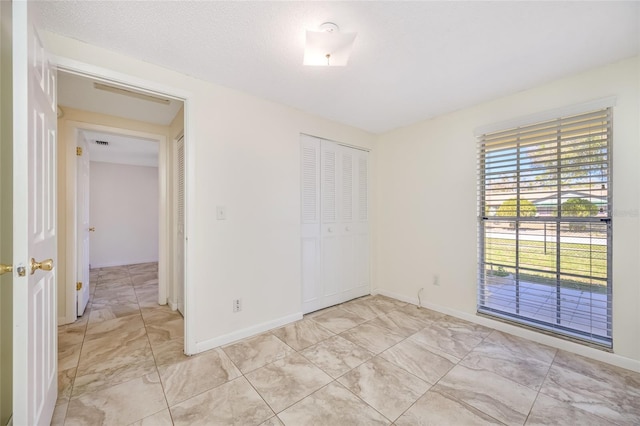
column 221, row 213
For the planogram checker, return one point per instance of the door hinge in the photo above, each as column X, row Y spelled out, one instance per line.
column 79, row 151
column 78, row 286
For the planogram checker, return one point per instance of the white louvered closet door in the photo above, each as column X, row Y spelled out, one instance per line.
column 335, row 242
column 310, row 245
column 360, row 224
column 347, row 258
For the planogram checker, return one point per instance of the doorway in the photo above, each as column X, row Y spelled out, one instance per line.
column 89, row 118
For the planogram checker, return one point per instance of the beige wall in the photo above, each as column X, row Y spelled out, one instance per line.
column 6, row 217
column 66, row 187
column 242, row 153
column 124, row 210
column 426, row 217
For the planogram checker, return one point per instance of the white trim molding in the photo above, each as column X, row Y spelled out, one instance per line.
column 155, row 88
column 544, row 339
column 246, row 332
column 547, row 115
column 72, row 128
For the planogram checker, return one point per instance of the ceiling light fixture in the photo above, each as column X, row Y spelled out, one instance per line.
column 328, row 47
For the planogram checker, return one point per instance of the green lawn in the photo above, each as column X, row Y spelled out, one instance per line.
column 580, row 259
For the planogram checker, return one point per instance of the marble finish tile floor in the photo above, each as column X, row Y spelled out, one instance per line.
column 373, row 360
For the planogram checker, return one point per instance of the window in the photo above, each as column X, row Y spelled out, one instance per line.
column 545, row 225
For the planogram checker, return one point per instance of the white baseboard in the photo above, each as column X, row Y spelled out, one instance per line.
column 66, row 320
column 246, row 332
column 121, row 263
column 576, row 348
column 173, row 305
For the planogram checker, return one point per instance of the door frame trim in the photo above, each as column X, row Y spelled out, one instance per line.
column 71, row 130
column 99, row 73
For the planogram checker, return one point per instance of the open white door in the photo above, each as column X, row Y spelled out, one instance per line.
column 34, row 224
column 179, row 252
column 82, row 206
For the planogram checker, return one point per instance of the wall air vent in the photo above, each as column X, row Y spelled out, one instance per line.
column 103, row 143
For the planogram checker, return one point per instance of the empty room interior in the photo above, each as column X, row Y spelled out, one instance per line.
column 340, row 213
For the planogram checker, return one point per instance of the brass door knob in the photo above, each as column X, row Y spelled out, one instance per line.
column 5, row 268
column 92, row 229
column 45, row 265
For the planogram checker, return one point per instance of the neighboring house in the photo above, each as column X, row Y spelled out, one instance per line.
column 547, row 206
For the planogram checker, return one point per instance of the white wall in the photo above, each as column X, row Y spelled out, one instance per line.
column 124, row 210
column 242, row 153
column 426, row 214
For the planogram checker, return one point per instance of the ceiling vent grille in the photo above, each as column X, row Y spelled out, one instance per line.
column 103, row 143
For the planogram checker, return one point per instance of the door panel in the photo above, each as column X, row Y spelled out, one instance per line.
column 362, row 261
column 331, row 266
column 346, row 178
column 180, row 241
column 342, row 232
column 83, row 170
column 328, row 183
column 330, row 227
column 311, row 285
column 310, row 218
column 34, row 223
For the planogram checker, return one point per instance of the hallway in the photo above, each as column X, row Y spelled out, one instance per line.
column 117, row 347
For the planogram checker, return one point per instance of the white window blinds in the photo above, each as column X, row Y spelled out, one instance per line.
column 544, row 203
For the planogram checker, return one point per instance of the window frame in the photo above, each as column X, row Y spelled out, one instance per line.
column 558, row 220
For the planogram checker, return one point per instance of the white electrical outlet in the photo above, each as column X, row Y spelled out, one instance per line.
column 237, row 305
column 436, row 280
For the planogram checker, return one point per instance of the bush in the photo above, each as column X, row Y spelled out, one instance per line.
column 500, row 272
column 510, row 208
column 578, row 207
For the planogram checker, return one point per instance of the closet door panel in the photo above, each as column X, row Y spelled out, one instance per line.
column 329, row 228
column 311, row 276
column 361, row 226
column 348, row 186
column 331, row 266
column 335, row 240
column 362, row 265
column 311, row 283
column 329, row 183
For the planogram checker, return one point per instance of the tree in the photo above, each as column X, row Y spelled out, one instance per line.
column 573, row 159
column 578, row 207
column 509, row 208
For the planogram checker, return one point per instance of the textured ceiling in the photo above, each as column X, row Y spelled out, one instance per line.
column 121, row 149
column 410, row 61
